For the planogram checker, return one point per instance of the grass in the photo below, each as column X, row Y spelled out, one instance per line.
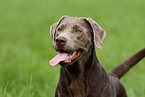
column 26, row 47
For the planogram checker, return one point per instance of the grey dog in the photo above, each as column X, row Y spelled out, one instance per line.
column 81, row 74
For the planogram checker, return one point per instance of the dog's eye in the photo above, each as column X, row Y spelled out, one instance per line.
column 59, row 29
column 78, row 30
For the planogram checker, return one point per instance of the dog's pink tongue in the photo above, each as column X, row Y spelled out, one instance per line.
column 59, row 57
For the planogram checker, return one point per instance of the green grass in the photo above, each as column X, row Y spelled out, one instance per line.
column 26, row 46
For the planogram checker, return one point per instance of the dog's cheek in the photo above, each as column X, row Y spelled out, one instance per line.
column 86, row 42
column 70, row 45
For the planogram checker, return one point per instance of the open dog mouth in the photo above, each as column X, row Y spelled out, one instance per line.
column 65, row 57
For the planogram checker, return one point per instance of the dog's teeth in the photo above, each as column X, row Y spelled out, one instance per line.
column 66, row 58
column 74, row 53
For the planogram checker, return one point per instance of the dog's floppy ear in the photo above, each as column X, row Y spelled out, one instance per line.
column 55, row 25
column 98, row 33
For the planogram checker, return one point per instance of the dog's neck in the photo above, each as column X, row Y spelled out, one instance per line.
column 79, row 68
column 77, row 74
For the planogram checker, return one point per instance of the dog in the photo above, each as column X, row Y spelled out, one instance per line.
column 81, row 74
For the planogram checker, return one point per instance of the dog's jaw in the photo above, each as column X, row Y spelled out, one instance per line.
column 66, row 58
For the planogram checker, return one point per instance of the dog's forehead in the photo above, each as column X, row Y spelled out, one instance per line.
column 73, row 21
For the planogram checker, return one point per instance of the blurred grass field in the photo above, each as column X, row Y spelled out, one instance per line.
column 26, row 46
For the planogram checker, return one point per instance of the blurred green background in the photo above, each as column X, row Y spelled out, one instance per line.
column 26, row 46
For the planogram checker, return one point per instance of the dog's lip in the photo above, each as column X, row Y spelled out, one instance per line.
column 64, row 51
column 72, row 56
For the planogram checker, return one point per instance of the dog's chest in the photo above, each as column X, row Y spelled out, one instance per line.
column 78, row 88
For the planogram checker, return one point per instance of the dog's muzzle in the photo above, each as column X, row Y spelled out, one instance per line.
column 60, row 42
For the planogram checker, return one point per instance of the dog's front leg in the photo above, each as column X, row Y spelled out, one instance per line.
column 62, row 92
column 108, row 91
column 56, row 93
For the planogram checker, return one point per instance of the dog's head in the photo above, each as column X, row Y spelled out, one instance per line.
column 73, row 37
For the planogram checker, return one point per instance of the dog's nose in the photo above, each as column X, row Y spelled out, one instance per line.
column 60, row 41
